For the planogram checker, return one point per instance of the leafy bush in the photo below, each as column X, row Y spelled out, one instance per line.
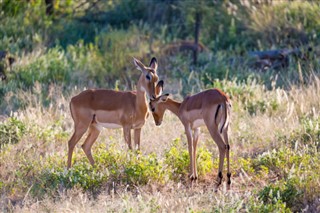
column 112, row 165
column 143, row 169
column 279, row 161
column 307, row 135
column 81, row 175
column 11, row 131
column 285, row 22
column 277, row 206
column 177, row 160
column 285, row 192
column 49, row 68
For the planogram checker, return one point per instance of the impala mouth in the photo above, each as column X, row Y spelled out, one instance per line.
column 158, row 123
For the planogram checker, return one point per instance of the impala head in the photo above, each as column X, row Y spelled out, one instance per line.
column 149, row 77
column 157, row 108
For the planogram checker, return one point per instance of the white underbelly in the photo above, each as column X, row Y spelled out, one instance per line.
column 197, row 123
column 100, row 126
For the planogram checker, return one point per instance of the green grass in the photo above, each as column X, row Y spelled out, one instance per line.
column 275, row 165
column 274, row 136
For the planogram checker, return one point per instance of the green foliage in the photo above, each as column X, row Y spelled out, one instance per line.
column 307, row 135
column 11, row 131
column 281, row 23
column 279, row 161
column 112, row 165
column 285, row 192
column 277, row 206
column 82, row 175
column 177, row 159
column 143, row 169
column 131, row 167
column 92, row 45
column 311, row 134
column 50, row 68
column 22, row 26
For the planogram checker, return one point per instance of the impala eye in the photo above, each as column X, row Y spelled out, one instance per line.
column 153, row 109
column 148, row 77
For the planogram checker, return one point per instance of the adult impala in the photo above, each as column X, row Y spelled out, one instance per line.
column 96, row 108
column 210, row 108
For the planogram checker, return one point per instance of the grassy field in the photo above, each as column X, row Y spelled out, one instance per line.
column 275, row 125
column 274, row 159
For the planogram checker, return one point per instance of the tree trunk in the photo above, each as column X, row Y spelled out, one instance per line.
column 196, row 37
column 49, row 7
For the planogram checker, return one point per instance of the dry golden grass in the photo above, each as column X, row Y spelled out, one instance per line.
column 50, row 128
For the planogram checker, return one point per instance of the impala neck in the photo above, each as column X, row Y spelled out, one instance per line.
column 141, row 101
column 172, row 106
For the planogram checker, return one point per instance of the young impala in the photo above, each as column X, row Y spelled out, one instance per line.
column 96, row 108
column 210, row 108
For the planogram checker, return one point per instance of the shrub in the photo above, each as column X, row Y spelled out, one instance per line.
column 11, row 131
column 282, row 22
column 143, row 169
column 177, row 160
column 285, row 192
column 111, row 165
column 51, row 67
column 278, row 206
column 55, row 177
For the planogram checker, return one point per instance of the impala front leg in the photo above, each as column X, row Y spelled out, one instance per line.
column 137, row 133
column 190, row 149
column 127, row 136
column 195, row 143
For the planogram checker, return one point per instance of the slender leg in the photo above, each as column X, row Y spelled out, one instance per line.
column 195, row 142
column 127, row 136
column 190, row 148
column 222, row 151
column 226, row 140
column 92, row 137
column 79, row 130
column 137, row 133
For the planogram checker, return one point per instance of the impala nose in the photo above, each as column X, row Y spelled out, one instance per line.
column 158, row 123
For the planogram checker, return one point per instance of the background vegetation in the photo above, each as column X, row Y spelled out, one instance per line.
column 63, row 47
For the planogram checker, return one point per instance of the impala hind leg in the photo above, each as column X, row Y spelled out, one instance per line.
column 79, row 130
column 94, row 132
column 222, row 151
column 226, row 140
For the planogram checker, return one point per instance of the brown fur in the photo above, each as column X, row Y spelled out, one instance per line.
column 96, row 108
column 210, row 108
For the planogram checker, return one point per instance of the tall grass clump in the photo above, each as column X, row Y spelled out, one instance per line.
column 11, row 131
column 286, row 23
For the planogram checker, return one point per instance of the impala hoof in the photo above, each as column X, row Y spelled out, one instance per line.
column 193, row 177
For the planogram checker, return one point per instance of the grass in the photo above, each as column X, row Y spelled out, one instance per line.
column 274, row 160
column 274, row 137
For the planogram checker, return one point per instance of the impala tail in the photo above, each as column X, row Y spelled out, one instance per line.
column 223, row 120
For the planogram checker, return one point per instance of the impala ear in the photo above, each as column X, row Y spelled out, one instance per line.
column 139, row 65
column 154, row 64
column 164, row 97
column 159, row 88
